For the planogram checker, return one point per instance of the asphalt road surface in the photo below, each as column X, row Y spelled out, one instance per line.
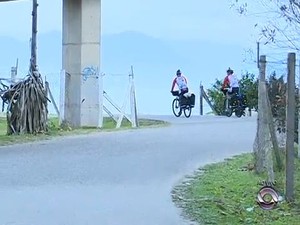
column 114, row 178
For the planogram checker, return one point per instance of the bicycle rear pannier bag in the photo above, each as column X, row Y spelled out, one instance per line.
column 192, row 100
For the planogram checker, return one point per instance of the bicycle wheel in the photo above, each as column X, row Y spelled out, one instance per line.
column 187, row 111
column 239, row 112
column 176, row 108
column 228, row 110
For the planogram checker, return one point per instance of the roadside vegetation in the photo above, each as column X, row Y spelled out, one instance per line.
column 225, row 193
column 55, row 130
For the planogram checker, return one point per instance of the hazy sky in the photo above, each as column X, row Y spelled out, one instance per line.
column 211, row 21
column 167, row 19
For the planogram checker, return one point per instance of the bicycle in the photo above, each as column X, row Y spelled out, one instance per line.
column 235, row 103
column 185, row 106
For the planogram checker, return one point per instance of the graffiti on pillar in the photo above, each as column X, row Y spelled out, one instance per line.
column 90, row 71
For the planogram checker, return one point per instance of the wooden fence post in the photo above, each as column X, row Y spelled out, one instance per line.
column 201, row 99
column 52, row 98
column 13, row 74
column 258, row 152
column 299, row 115
column 133, row 101
column 290, row 123
column 62, row 96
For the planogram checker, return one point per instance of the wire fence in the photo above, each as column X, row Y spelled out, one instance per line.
column 150, row 100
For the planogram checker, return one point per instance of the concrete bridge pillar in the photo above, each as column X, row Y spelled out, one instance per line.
column 81, row 62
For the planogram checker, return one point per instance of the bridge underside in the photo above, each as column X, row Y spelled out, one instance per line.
column 81, row 62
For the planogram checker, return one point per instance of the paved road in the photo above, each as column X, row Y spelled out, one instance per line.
column 121, row 178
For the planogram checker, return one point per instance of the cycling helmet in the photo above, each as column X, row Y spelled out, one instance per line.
column 178, row 72
column 230, row 71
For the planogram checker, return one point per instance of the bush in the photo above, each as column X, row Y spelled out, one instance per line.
column 277, row 91
column 248, row 86
column 216, row 96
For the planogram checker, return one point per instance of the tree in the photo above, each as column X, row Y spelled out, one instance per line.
column 249, row 87
column 27, row 106
column 27, row 99
column 277, row 91
column 216, row 97
column 281, row 20
column 277, row 95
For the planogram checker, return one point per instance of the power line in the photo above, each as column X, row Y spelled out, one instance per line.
column 115, row 74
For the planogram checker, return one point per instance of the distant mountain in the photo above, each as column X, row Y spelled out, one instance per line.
column 155, row 62
column 131, row 48
column 48, row 56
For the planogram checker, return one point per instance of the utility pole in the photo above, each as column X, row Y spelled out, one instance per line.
column 33, row 59
column 290, row 123
column 257, row 58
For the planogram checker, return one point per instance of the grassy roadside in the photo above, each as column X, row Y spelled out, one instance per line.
column 55, row 130
column 224, row 194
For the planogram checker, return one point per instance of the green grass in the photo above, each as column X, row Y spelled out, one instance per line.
column 221, row 194
column 55, row 130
